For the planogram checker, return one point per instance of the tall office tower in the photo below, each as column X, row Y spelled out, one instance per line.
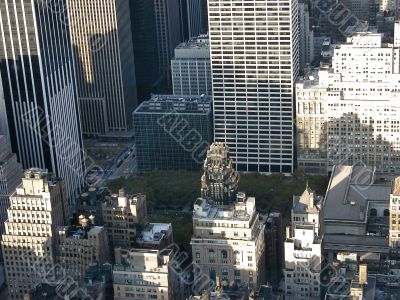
column 145, row 47
column 104, row 62
column 39, row 89
column 37, row 208
column 192, row 19
column 169, row 35
column 254, row 62
column 191, row 68
column 306, row 37
column 3, row 112
column 10, row 177
column 349, row 114
column 219, row 183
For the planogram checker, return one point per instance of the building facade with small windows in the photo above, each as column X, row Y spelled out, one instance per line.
column 303, row 249
column 303, row 264
column 122, row 215
column 37, row 208
column 348, row 114
column 191, row 68
column 79, row 246
column 228, row 243
column 145, row 274
column 173, row 132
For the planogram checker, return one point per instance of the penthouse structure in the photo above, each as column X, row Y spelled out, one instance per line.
column 80, row 246
column 228, row 242
column 145, row 274
column 348, row 114
column 37, row 208
column 173, row 132
column 191, row 67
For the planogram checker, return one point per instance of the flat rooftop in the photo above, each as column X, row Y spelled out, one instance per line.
column 176, row 103
column 201, row 41
column 238, row 211
column 154, row 232
column 349, row 191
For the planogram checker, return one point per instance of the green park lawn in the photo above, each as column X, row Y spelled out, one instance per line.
column 175, row 189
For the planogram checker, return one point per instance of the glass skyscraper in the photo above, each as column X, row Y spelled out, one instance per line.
column 39, row 88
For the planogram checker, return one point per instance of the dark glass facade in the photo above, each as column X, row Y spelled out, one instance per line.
column 173, row 133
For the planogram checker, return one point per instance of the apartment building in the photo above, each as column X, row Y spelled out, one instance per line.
column 77, row 247
column 145, row 274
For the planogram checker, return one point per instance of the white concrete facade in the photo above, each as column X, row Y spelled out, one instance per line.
column 255, row 61
column 349, row 114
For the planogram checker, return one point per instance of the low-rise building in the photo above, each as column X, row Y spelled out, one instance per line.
column 123, row 215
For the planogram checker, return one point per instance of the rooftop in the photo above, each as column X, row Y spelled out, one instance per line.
column 306, row 202
column 154, row 232
column 241, row 210
column 198, row 42
column 350, row 190
column 176, row 103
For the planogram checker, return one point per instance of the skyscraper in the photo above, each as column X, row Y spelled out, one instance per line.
column 192, row 18
column 104, row 62
column 145, row 47
column 169, row 34
column 254, row 62
column 37, row 208
column 191, row 69
column 10, row 177
column 39, row 88
column 306, row 37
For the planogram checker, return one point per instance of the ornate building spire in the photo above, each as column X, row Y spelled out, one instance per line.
column 219, row 182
